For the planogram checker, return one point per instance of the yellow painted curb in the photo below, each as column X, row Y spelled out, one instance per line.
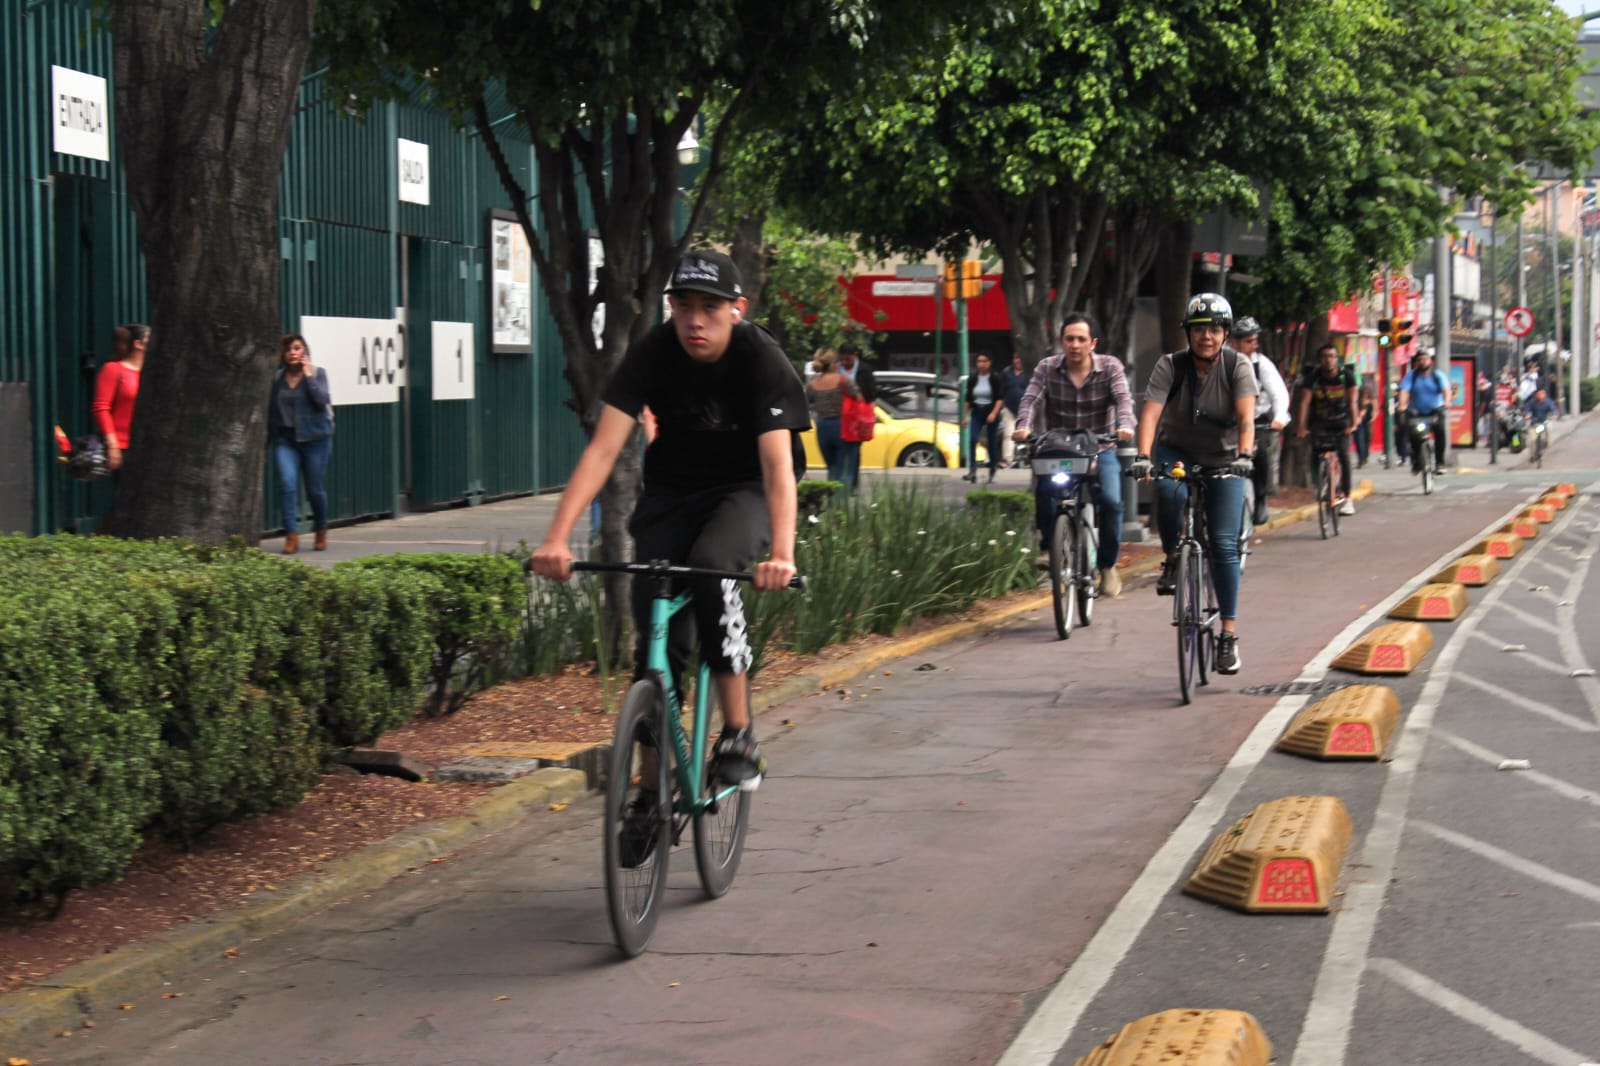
column 1186, row 1038
column 1353, row 723
column 1394, row 648
column 1284, row 856
column 1469, row 570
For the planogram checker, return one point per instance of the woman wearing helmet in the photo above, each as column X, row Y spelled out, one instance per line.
column 1199, row 408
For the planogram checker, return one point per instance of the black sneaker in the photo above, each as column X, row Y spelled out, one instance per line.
column 1227, row 653
column 1167, row 583
column 738, row 759
column 641, row 826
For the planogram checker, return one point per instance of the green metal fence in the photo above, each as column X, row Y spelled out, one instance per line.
column 70, row 270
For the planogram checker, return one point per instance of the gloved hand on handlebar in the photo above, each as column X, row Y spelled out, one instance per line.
column 1140, row 468
column 1243, row 466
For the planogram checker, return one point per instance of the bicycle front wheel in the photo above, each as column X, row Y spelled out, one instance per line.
column 638, row 826
column 1247, row 525
column 1186, row 615
column 719, row 830
column 1086, row 571
column 1324, row 499
column 1334, row 477
column 1063, row 561
column 1427, row 466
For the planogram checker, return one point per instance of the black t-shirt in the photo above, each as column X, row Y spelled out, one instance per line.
column 708, row 415
column 1330, row 398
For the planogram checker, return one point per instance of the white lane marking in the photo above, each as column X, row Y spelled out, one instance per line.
column 1474, row 1013
column 1529, row 618
column 1536, row 871
column 1564, row 789
column 1325, row 1033
column 1047, row 1030
column 1567, row 634
column 1530, row 705
column 1523, row 655
column 1482, row 488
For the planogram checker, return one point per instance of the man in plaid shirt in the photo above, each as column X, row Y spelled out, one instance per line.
column 1078, row 389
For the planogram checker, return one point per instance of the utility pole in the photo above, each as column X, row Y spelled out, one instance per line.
column 1555, row 280
column 1522, row 287
column 1441, row 329
column 1492, row 422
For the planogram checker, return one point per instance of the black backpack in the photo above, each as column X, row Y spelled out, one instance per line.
column 1183, row 370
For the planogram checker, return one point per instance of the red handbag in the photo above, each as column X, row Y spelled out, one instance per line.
column 857, row 419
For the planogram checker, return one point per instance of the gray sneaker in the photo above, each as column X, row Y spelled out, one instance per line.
column 1110, row 582
column 1228, row 660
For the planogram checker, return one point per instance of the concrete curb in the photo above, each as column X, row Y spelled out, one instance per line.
column 31, row 1015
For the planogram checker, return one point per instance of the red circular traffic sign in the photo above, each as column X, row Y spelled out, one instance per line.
column 1519, row 321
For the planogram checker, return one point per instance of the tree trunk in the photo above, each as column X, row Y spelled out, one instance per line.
column 1173, row 269
column 203, row 121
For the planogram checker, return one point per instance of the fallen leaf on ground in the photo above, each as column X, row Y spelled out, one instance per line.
column 558, row 806
column 124, row 1006
column 501, row 999
column 231, row 953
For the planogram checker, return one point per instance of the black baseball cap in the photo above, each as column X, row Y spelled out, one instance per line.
column 708, row 272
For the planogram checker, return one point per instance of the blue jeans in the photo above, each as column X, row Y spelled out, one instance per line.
column 1108, row 504
column 851, row 450
column 831, row 447
column 988, row 433
column 1224, row 506
column 293, row 457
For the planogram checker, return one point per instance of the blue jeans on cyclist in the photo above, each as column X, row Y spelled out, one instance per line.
column 1224, row 507
column 1108, row 507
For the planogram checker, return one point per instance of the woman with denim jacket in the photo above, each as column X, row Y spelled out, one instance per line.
column 301, row 424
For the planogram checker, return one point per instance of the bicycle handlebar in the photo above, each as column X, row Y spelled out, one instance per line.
column 661, row 568
column 1210, row 473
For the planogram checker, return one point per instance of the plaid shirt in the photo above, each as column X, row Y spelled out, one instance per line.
column 1063, row 405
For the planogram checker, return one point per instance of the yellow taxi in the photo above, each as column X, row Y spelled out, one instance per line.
column 906, row 435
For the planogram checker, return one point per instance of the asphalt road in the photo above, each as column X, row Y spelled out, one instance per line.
column 973, row 856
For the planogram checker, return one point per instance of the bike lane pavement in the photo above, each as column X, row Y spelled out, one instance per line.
column 936, row 844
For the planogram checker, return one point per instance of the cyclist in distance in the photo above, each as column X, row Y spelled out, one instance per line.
column 719, row 478
column 1329, row 412
column 1077, row 388
column 1425, row 392
column 1200, row 408
column 1272, row 412
column 1540, row 408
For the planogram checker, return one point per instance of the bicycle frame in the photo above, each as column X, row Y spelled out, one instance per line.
column 690, row 751
column 1193, row 528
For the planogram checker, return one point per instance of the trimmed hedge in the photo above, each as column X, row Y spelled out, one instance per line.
column 169, row 687
column 478, row 602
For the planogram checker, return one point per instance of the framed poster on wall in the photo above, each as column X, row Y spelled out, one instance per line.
column 510, row 286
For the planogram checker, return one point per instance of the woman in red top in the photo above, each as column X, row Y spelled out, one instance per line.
column 117, row 387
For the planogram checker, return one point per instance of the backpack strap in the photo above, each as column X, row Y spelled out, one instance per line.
column 1183, row 370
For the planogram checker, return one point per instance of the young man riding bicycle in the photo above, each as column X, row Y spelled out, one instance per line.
column 1329, row 413
column 719, row 478
column 1079, row 389
column 1200, row 409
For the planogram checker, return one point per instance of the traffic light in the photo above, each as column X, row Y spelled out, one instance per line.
column 1401, row 334
column 1385, row 333
column 964, row 280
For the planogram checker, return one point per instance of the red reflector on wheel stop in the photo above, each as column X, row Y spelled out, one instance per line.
column 1286, row 881
column 1352, row 738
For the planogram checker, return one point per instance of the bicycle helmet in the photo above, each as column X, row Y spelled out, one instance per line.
column 1208, row 309
column 1246, row 327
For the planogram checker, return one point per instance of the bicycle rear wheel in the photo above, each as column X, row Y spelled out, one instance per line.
column 1063, row 560
column 1186, row 619
column 719, row 830
column 1334, row 499
column 636, row 856
column 1324, row 499
column 1086, row 569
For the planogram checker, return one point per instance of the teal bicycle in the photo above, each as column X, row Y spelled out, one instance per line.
column 651, row 799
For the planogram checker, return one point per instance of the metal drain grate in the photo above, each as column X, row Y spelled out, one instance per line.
column 1298, row 688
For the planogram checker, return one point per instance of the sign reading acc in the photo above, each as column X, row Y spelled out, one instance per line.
column 365, row 357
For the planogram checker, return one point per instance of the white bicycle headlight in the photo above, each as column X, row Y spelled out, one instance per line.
column 1060, row 477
